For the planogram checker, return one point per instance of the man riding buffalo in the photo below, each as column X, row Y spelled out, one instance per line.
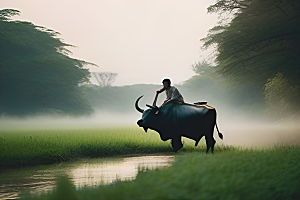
column 175, row 119
column 172, row 93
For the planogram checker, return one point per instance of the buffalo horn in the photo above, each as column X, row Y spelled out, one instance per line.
column 137, row 106
column 150, row 106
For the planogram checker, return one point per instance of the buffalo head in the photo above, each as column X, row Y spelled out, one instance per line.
column 148, row 117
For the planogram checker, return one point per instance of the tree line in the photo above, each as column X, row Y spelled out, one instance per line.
column 37, row 75
column 257, row 44
column 256, row 48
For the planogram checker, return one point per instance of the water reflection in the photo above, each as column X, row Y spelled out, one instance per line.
column 93, row 174
column 83, row 173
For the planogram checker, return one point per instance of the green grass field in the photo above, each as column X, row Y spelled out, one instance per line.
column 18, row 147
column 271, row 173
column 26, row 147
column 230, row 173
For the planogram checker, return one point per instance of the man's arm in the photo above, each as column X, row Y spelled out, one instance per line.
column 165, row 102
column 157, row 93
column 160, row 91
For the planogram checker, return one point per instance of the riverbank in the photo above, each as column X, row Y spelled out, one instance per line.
column 268, row 173
column 84, row 172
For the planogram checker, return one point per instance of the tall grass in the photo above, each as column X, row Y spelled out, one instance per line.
column 46, row 146
column 270, row 173
column 23, row 147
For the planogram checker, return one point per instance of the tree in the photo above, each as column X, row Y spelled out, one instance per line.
column 260, row 42
column 203, row 68
column 281, row 96
column 36, row 73
column 104, row 79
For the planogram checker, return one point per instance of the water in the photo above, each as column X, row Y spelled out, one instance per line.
column 83, row 173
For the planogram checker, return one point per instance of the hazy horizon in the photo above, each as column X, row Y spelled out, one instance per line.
column 144, row 42
column 153, row 39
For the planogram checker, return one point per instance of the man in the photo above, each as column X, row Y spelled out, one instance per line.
column 172, row 93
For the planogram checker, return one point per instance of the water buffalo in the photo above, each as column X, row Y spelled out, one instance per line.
column 173, row 120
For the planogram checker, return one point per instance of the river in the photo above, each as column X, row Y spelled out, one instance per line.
column 87, row 172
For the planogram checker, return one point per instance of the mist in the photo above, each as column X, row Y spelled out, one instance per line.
column 240, row 117
column 143, row 42
column 239, row 128
column 99, row 119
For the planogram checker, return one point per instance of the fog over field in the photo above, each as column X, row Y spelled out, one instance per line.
column 237, row 130
column 141, row 43
column 241, row 116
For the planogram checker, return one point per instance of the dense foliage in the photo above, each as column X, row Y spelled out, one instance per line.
column 260, row 46
column 36, row 73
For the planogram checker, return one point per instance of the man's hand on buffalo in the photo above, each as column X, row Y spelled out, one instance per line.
column 160, row 91
column 157, row 93
column 166, row 101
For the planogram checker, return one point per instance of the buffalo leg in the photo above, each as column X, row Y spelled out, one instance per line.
column 207, row 144
column 213, row 140
column 213, row 146
column 210, row 143
column 176, row 143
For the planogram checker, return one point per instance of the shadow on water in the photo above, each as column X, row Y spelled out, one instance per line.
column 83, row 173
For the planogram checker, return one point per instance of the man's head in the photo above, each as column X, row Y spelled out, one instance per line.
column 166, row 82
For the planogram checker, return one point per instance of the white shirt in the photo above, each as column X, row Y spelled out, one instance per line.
column 173, row 93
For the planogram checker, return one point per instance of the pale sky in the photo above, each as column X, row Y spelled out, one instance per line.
column 144, row 41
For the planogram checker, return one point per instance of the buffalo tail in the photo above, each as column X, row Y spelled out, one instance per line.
column 220, row 134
